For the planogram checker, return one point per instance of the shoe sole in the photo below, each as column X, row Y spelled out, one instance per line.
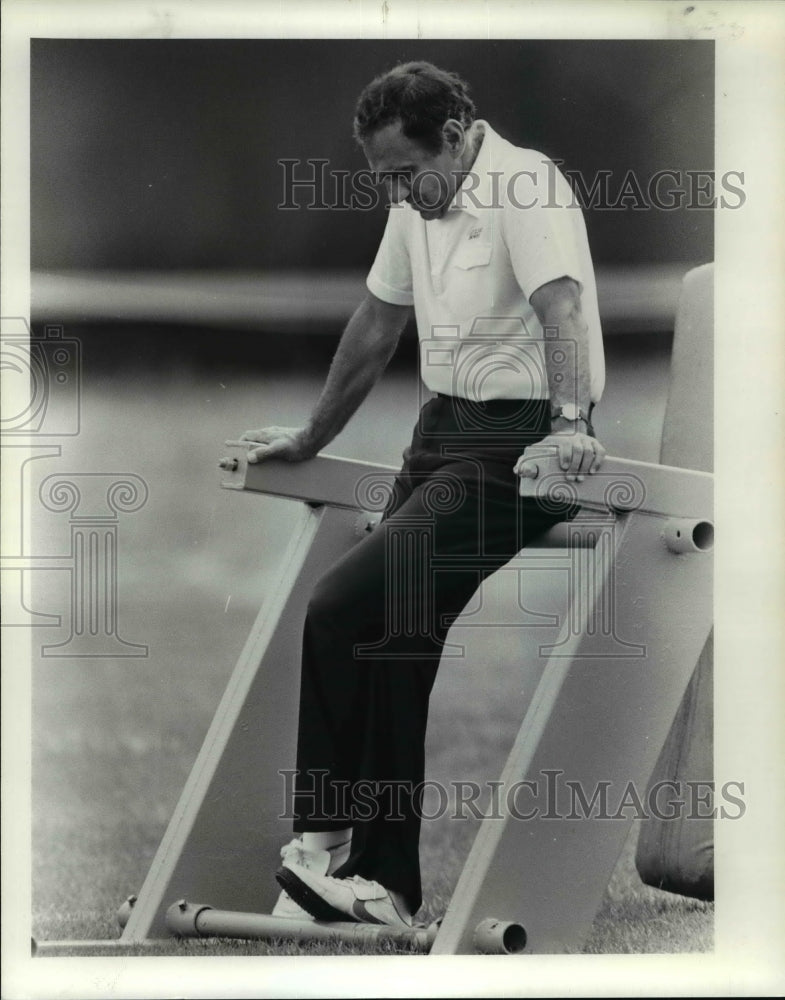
column 310, row 901
column 289, row 910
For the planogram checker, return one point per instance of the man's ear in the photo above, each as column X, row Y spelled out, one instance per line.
column 454, row 135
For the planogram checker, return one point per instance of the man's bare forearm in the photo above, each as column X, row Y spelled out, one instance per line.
column 566, row 349
column 365, row 348
column 367, row 344
column 567, row 362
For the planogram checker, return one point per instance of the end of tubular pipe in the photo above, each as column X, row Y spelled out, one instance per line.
column 499, row 937
column 686, row 535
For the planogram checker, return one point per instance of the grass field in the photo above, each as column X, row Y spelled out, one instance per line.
column 114, row 739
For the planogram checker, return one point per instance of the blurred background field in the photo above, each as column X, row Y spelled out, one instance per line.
column 202, row 310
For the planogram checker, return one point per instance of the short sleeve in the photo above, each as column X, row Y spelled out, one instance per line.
column 544, row 228
column 390, row 277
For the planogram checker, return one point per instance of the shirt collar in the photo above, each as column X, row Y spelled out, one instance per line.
column 476, row 191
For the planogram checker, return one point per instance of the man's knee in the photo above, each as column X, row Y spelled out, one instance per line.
column 325, row 603
column 343, row 597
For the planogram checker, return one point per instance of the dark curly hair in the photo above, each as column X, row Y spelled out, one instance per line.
column 419, row 95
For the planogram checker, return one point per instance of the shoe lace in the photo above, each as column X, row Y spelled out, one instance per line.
column 362, row 881
column 294, row 851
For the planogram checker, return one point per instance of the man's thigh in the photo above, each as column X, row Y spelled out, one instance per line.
column 447, row 530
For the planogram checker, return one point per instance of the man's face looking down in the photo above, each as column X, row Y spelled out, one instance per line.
column 426, row 181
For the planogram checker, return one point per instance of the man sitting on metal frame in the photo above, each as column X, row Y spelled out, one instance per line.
column 486, row 243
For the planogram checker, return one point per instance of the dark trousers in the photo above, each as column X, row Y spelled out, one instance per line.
column 377, row 622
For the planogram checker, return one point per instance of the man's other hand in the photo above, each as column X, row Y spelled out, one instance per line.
column 288, row 443
column 579, row 454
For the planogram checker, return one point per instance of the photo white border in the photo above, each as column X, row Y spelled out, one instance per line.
column 750, row 518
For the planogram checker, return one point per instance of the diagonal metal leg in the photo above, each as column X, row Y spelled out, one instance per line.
column 597, row 723
column 224, row 838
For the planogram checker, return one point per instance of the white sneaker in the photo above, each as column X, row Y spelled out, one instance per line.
column 318, row 861
column 328, row 898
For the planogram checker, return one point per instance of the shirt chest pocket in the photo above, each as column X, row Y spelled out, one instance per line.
column 471, row 255
column 469, row 285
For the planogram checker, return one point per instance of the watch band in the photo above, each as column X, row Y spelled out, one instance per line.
column 572, row 413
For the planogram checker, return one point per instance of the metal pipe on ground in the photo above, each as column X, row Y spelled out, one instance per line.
column 186, row 919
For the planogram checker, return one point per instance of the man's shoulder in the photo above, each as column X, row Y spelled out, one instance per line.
column 508, row 157
column 522, row 176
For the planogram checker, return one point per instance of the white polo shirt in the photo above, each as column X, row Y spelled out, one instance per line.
column 512, row 226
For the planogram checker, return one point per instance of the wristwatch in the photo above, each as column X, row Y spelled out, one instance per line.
column 570, row 412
